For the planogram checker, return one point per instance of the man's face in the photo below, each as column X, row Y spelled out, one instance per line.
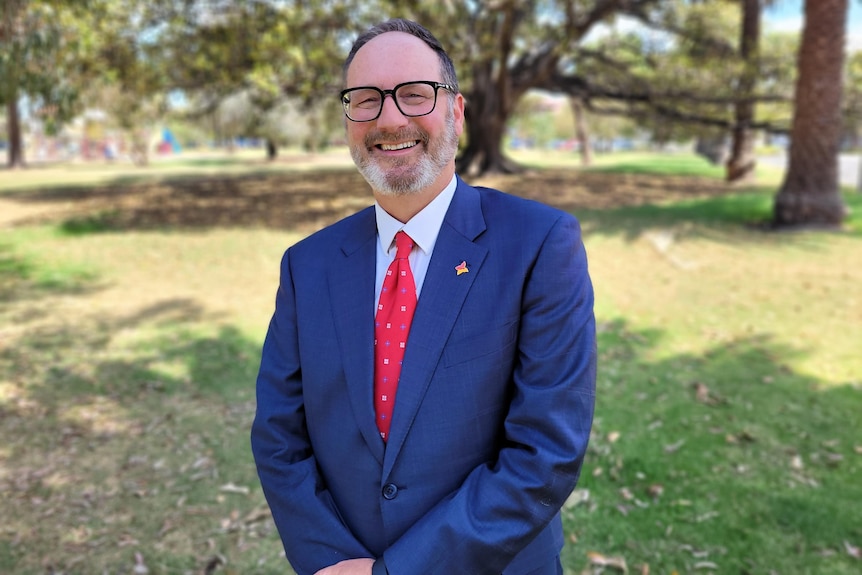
column 395, row 153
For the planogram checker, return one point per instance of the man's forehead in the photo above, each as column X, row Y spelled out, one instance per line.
column 391, row 54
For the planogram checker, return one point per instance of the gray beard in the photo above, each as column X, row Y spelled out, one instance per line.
column 422, row 175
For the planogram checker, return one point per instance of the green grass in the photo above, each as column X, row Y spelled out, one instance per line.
column 677, row 164
column 660, row 164
column 726, row 440
column 749, row 208
column 674, row 480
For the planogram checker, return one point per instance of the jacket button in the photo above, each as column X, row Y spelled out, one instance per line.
column 390, row 491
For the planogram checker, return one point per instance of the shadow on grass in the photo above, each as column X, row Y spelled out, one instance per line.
column 23, row 278
column 693, row 457
column 119, row 433
column 298, row 201
column 309, row 200
column 71, row 361
column 623, row 199
column 728, row 457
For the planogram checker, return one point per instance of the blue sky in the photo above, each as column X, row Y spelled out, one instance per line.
column 787, row 15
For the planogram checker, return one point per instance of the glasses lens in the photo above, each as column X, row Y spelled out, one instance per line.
column 413, row 99
column 362, row 104
column 416, row 99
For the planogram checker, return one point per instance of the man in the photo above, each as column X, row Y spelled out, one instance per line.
column 494, row 399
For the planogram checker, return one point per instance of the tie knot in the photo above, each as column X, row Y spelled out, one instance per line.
column 403, row 245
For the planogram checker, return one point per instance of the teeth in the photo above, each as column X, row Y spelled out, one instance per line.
column 392, row 147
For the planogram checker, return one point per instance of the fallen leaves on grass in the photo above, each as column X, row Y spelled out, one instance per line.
column 803, row 480
column 709, row 515
column 703, row 394
column 243, row 523
column 577, row 497
column 599, row 560
column 140, row 567
column 674, row 447
column 213, row 564
column 232, row 488
column 655, row 490
column 696, row 553
column 739, row 437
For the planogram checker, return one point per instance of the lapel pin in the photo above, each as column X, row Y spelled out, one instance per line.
column 461, row 268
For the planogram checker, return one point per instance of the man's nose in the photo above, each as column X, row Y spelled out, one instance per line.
column 390, row 116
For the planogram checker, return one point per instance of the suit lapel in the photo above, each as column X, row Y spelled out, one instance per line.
column 439, row 306
column 351, row 286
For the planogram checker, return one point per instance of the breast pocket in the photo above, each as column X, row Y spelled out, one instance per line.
column 497, row 339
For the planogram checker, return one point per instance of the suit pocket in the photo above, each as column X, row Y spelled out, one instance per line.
column 495, row 340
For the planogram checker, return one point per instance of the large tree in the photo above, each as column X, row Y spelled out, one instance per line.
column 270, row 51
column 681, row 75
column 127, row 73
column 38, row 44
column 270, row 54
column 503, row 49
column 810, row 193
column 517, row 47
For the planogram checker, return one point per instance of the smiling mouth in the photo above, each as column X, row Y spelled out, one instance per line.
column 399, row 146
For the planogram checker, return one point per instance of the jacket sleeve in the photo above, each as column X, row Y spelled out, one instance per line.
column 503, row 505
column 313, row 534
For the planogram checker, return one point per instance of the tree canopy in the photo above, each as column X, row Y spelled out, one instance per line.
column 679, row 68
column 39, row 49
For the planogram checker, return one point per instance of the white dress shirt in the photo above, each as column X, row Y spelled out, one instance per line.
column 423, row 228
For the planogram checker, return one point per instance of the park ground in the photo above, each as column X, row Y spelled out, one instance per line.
column 133, row 304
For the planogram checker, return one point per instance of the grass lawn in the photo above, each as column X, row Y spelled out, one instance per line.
column 133, row 305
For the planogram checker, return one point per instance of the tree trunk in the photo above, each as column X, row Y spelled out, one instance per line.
column 484, row 151
column 740, row 166
column 9, row 29
column 810, row 194
column 13, row 122
column 490, row 102
column 486, row 117
column 271, row 149
column 582, row 134
column 140, row 147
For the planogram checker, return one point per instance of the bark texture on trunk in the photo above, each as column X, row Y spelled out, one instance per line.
column 15, row 158
column 10, row 28
column 809, row 195
column 485, row 115
column 582, row 132
column 741, row 164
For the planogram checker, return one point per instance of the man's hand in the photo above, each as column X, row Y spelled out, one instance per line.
column 349, row 567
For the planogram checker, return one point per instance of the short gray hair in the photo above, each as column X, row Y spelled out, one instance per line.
column 447, row 68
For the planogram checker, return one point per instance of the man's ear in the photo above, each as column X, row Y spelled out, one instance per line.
column 458, row 113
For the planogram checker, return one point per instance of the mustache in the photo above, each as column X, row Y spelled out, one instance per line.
column 377, row 137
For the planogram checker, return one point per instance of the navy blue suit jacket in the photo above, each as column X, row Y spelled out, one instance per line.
column 493, row 410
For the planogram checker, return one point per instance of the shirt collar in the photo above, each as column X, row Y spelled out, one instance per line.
column 423, row 227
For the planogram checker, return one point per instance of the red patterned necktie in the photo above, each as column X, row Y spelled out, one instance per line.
column 391, row 327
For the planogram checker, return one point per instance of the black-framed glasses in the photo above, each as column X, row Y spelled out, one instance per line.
column 412, row 99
